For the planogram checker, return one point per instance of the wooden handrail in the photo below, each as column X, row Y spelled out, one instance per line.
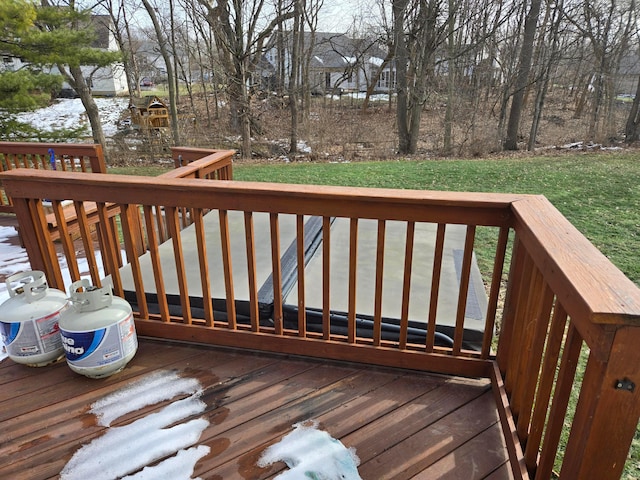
column 71, row 157
column 565, row 303
column 201, row 163
column 92, row 152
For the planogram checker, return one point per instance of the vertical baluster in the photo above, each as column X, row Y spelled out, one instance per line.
column 326, row 278
column 561, row 394
column 203, row 262
column 547, row 377
column 302, row 322
column 517, row 333
column 377, row 309
column 534, row 359
column 520, row 381
column 63, row 162
column 160, row 224
column 252, row 273
column 276, row 273
column 514, row 286
column 406, row 284
column 228, row 270
column 173, row 224
column 464, row 288
column 353, row 271
column 435, row 286
column 129, row 220
column 152, row 240
column 496, row 279
column 111, row 248
column 65, row 240
column 87, row 242
column 115, row 229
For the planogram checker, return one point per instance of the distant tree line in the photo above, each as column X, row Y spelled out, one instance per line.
column 468, row 55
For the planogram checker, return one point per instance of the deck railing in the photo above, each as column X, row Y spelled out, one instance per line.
column 560, row 301
column 48, row 156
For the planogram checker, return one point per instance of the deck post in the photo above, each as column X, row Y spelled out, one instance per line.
column 607, row 412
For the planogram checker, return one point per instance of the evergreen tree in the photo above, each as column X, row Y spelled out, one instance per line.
column 47, row 35
column 26, row 89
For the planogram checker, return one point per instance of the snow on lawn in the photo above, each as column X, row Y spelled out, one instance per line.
column 70, row 113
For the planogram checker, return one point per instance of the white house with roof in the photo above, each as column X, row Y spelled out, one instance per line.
column 337, row 63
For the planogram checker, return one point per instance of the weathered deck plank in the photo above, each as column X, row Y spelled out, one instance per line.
column 401, row 423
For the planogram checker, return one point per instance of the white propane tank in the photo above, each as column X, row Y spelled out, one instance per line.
column 29, row 320
column 98, row 331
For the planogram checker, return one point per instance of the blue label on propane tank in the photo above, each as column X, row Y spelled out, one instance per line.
column 80, row 345
column 9, row 331
column 95, row 348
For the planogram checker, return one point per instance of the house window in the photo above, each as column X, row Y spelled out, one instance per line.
column 387, row 79
column 327, row 80
column 383, row 81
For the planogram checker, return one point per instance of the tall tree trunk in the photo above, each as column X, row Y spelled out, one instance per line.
column 164, row 51
column 75, row 78
column 281, row 52
column 522, row 80
column 451, row 81
column 133, row 73
column 402, row 60
column 120, row 20
column 552, row 54
column 414, row 75
column 294, row 75
column 632, row 128
column 174, row 51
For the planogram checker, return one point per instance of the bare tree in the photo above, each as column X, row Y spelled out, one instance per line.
column 549, row 54
column 418, row 30
column 164, row 50
column 632, row 127
column 522, row 80
column 241, row 28
column 311, row 13
column 607, row 26
column 294, row 74
column 121, row 31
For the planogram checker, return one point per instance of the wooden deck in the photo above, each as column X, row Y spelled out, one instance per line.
column 556, row 300
column 403, row 424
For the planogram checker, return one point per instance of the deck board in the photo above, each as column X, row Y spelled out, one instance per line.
column 402, row 424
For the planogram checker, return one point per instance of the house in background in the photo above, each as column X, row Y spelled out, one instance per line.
column 337, row 63
column 105, row 81
column 628, row 74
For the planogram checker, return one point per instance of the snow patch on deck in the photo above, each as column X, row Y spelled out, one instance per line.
column 158, row 445
column 312, row 453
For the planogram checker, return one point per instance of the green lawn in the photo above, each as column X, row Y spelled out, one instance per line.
column 599, row 193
